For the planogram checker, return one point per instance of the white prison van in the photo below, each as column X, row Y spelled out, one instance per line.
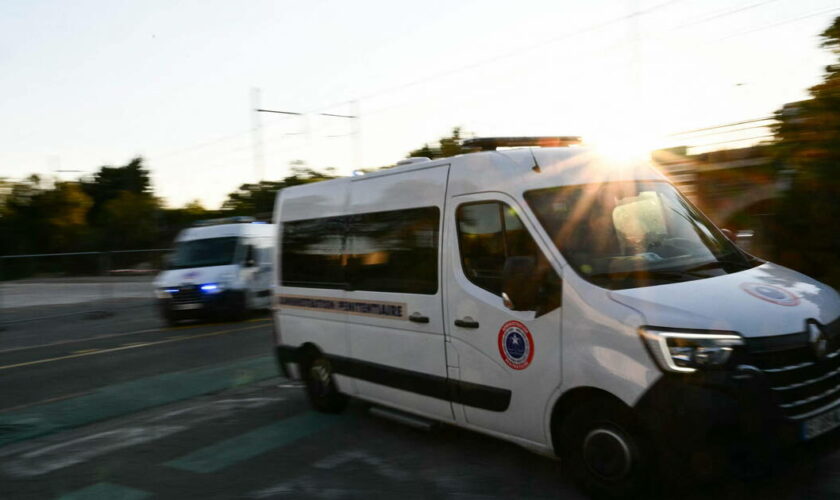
column 220, row 269
column 551, row 297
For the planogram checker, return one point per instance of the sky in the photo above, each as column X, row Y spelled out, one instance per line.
column 90, row 83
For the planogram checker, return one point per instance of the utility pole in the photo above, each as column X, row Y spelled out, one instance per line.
column 256, row 129
column 357, row 137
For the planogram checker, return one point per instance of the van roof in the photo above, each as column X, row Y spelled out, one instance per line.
column 509, row 171
column 226, row 230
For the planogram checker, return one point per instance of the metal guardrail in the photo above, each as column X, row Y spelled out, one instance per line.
column 96, row 277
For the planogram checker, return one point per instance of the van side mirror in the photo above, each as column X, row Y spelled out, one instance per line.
column 250, row 260
column 520, row 285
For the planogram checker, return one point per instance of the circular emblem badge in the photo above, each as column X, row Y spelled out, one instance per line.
column 516, row 345
column 771, row 293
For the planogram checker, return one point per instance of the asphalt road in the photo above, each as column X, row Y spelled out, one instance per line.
column 119, row 407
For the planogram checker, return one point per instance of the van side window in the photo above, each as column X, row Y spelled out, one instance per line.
column 482, row 242
column 394, row 251
column 312, row 253
column 488, row 234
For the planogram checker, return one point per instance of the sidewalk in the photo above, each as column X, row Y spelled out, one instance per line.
column 55, row 291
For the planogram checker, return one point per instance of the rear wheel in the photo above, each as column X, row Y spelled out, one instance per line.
column 605, row 450
column 321, row 388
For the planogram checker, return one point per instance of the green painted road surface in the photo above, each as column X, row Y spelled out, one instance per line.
column 240, row 448
column 106, row 491
column 130, row 397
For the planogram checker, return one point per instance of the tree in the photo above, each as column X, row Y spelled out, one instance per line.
column 258, row 199
column 109, row 182
column 447, row 146
column 130, row 221
column 808, row 144
column 64, row 209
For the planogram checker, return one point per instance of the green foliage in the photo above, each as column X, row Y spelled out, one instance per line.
column 130, row 220
column 447, row 146
column 808, row 144
column 109, row 182
column 258, row 199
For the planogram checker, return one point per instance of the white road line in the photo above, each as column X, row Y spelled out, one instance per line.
column 114, row 335
column 76, row 451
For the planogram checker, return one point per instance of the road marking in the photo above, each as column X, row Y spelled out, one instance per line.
column 106, row 490
column 76, row 451
column 113, row 335
column 378, row 464
column 193, row 415
column 84, row 351
column 124, row 347
column 312, row 484
column 239, row 448
column 130, row 397
column 44, row 401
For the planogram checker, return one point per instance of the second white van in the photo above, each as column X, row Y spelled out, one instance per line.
column 219, row 269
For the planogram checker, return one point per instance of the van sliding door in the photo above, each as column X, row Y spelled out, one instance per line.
column 394, row 305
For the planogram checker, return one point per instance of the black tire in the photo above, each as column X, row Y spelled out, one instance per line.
column 320, row 386
column 606, row 451
column 169, row 318
column 238, row 308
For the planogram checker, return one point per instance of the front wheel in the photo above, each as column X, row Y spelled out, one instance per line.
column 320, row 386
column 605, row 449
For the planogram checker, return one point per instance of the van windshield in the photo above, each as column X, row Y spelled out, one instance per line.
column 203, row 253
column 635, row 233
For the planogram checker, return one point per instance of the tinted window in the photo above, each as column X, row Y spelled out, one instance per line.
column 395, row 251
column 482, row 244
column 312, row 253
column 491, row 232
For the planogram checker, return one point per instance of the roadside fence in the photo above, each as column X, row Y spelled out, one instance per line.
column 97, row 284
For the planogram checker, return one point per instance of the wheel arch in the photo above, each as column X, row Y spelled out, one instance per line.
column 572, row 399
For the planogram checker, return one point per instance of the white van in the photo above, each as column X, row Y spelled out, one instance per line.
column 557, row 299
column 220, row 269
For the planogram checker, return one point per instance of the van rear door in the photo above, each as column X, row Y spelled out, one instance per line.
column 394, row 305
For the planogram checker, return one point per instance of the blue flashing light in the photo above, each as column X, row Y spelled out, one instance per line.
column 170, row 290
column 210, row 288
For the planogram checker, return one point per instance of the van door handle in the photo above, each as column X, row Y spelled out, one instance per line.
column 466, row 323
column 418, row 318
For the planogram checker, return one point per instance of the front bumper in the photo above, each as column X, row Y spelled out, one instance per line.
column 723, row 422
column 202, row 305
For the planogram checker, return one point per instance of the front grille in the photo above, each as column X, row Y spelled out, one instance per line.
column 802, row 384
column 187, row 294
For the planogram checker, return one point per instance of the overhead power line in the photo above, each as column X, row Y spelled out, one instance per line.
column 718, row 127
column 504, row 55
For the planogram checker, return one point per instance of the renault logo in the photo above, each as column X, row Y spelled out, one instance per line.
column 818, row 339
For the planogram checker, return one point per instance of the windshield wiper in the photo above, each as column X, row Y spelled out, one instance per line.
column 674, row 275
column 721, row 263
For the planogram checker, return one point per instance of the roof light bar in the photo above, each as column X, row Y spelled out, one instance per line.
column 493, row 143
column 236, row 219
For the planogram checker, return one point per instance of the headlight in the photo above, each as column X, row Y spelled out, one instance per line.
column 686, row 352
